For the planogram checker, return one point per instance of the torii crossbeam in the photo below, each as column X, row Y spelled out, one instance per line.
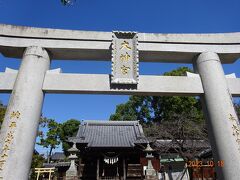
column 37, row 46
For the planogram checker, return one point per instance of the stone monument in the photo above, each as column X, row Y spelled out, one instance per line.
column 151, row 173
column 72, row 172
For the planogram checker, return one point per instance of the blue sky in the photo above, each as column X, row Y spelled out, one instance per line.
column 159, row 16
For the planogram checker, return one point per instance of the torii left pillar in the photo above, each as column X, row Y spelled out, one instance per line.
column 20, row 125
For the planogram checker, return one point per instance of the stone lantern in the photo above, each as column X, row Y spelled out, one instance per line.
column 72, row 173
column 151, row 173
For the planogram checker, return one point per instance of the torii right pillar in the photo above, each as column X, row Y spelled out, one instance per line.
column 222, row 121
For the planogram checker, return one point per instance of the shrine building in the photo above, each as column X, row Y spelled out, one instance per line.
column 112, row 149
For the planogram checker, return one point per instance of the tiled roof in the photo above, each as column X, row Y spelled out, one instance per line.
column 58, row 156
column 57, row 164
column 110, row 134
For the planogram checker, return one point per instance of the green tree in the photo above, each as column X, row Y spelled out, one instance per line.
column 164, row 107
column 137, row 108
column 174, row 118
column 2, row 113
column 156, row 109
column 68, row 129
column 51, row 139
column 237, row 108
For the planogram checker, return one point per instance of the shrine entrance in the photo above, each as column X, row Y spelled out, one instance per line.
column 110, row 166
column 110, row 149
column 38, row 46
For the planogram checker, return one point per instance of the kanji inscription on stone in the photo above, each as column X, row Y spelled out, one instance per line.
column 124, row 58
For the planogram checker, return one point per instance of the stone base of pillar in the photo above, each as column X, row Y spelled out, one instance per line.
column 151, row 174
column 151, row 178
column 72, row 172
column 72, row 178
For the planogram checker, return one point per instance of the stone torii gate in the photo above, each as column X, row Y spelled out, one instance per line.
column 37, row 46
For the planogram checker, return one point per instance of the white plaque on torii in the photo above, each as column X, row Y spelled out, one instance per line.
column 124, row 58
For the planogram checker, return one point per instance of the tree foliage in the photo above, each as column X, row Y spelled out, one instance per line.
column 68, row 129
column 51, row 139
column 2, row 113
column 174, row 118
column 182, row 129
column 136, row 108
column 149, row 109
column 57, row 133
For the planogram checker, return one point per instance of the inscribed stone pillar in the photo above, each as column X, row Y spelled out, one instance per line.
column 222, row 121
column 21, row 121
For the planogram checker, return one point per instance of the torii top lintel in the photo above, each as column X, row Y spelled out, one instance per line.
column 92, row 45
